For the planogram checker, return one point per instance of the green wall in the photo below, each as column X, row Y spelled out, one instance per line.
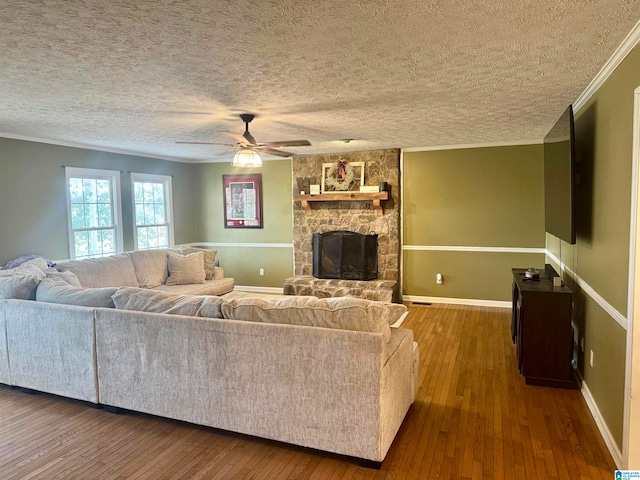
column 600, row 257
column 244, row 262
column 475, row 197
column 33, row 212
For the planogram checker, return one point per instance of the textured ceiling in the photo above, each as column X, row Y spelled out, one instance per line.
column 140, row 75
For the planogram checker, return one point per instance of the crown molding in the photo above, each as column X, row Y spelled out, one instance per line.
column 514, row 143
column 630, row 41
column 86, row 146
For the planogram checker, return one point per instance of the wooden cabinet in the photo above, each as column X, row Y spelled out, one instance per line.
column 541, row 329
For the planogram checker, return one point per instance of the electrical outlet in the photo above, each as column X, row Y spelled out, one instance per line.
column 262, row 271
column 439, row 279
column 591, row 358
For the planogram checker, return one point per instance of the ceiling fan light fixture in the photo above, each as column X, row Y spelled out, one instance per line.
column 247, row 158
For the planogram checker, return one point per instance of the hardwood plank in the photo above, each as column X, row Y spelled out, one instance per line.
column 474, row 417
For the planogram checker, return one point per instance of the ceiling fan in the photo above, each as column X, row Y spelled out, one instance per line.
column 247, row 141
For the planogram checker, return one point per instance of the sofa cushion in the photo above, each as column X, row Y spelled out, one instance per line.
column 111, row 271
column 211, row 307
column 22, row 287
column 209, row 287
column 209, row 259
column 150, row 267
column 185, row 269
column 242, row 294
column 345, row 313
column 66, row 277
column 21, row 282
column 57, row 291
column 397, row 312
column 145, row 300
column 398, row 323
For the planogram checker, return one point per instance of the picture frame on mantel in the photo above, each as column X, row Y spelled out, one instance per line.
column 242, row 201
column 353, row 182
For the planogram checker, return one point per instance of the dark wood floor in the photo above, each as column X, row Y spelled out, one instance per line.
column 474, row 418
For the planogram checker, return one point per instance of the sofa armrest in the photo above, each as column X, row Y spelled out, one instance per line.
column 218, row 273
column 51, row 348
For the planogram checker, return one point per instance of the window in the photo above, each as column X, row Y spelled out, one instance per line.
column 94, row 213
column 152, row 204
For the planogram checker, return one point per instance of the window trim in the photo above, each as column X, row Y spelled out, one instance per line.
column 93, row 173
column 167, row 180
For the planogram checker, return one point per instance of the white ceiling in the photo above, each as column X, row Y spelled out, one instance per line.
column 139, row 75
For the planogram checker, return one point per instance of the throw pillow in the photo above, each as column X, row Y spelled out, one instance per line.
column 150, row 267
column 185, row 269
column 154, row 301
column 209, row 259
column 345, row 313
column 58, row 291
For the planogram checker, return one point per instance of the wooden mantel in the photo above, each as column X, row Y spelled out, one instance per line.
column 376, row 198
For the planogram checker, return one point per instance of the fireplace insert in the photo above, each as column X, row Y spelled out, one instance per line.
column 345, row 255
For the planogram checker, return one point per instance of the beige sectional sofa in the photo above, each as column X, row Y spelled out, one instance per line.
column 329, row 374
column 150, row 269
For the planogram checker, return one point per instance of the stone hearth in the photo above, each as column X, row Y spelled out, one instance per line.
column 381, row 290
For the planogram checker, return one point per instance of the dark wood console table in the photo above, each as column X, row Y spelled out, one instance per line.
column 541, row 329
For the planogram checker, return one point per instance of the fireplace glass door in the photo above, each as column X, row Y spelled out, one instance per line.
column 345, row 255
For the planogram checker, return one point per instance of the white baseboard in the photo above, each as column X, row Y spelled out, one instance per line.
column 614, row 450
column 457, row 301
column 249, row 288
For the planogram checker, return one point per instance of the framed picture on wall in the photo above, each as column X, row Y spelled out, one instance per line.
column 242, row 200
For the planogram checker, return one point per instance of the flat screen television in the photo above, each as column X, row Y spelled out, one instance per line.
column 559, row 178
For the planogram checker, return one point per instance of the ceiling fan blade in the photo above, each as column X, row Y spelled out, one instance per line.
column 239, row 138
column 246, row 140
column 206, row 143
column 289, row 143
column 229, row 151
column 273, row 151
column 249, row 138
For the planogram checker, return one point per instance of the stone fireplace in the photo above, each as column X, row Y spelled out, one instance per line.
column 354, row 216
